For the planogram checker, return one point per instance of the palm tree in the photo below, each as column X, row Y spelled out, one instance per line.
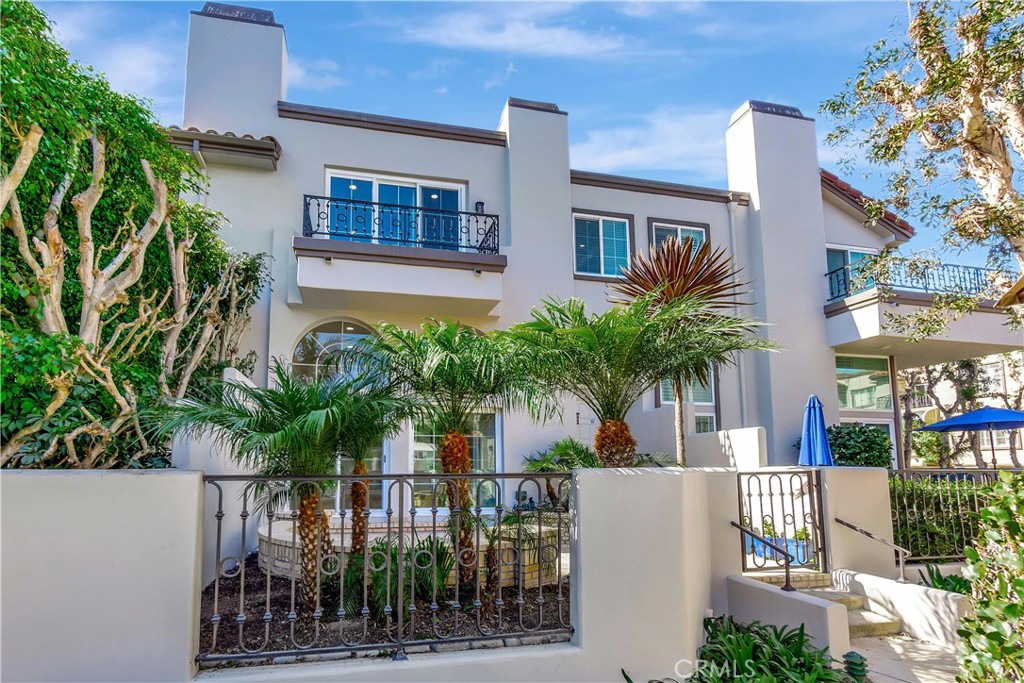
column 455, row 372
column 682, row 269
column 609, row 360
column 297, row 427
column 562, row 456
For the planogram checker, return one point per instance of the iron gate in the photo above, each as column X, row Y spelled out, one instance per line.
column 785, row 509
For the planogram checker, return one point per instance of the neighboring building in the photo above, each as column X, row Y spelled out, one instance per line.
column 1001, row 385
column 373, row 218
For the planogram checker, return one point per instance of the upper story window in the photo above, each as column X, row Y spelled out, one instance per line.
column 991, row 378
column 662, row 231
column 602, row 244
column 843, row 271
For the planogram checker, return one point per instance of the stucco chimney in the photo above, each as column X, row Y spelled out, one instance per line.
column 237, row 69
column 772, row 153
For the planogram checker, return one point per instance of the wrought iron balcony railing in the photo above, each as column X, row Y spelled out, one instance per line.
column 394, row 224
column 942, row 278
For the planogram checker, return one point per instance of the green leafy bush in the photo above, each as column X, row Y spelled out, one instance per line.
column 857, row 445
column 762, row 653
column 430, row 560
column 992, row 639
column 954, row 583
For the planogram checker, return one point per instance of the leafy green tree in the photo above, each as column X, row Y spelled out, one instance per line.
column 941, row 113
column 455, row 372
column 676, row 270
column 96, row 323
column 992, row 638
column 297, row 427
column 609, row 360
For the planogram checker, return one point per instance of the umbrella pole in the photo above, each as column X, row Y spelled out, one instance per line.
column 992, row 443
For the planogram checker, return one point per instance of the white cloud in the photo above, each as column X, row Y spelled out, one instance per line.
column 443, row 90
column 143, row 62
column 537, row 29
column 643, row 9
column 688, row 140
column 320, row 74
column 435, row 68
column 499, row 79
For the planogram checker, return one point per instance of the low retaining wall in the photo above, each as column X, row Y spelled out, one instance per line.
column 101, row 575
column 825, row 622
column 928, row 614
column 745, row 449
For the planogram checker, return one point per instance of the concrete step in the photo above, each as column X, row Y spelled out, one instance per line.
column 799, row 579
column 852, row 601
column 865, row 624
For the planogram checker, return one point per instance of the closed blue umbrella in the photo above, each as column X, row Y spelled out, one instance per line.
column 814, row 448
column 983, row 419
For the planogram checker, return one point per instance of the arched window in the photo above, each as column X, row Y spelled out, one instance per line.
column 317, row 351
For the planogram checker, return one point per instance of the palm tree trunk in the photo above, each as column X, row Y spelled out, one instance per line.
column 359, row 489
column 455, row 460
column 314, row 544
column 552, row 494
column 614, row 444
column 677, row 396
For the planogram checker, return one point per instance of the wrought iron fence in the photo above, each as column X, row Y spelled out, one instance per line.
column 412, row 226
column 935, row 511
column 785, row 509
column 447, row 562
column 945, row 278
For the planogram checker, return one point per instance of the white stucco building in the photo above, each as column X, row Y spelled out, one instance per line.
column 373, row 218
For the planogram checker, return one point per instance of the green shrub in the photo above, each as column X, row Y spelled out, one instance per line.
column 954, row 583
column 761, row 653
column 383, row 582
column 992, row 639
column 860, row 445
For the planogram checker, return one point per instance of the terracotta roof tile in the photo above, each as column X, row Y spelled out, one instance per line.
column 889, row 220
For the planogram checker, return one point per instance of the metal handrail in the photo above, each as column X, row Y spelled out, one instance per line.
column 789, row 558
column 902, row 552
column 937, row 277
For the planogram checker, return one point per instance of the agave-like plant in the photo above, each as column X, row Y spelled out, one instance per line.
column 678, row 270
column 297, row 427
column 455, row 371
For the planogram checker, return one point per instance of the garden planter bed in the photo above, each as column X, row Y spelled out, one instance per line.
column 304, row 632
column 280, row 553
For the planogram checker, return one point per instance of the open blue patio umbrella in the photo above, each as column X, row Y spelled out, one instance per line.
column 814, row 448
column 987, row 418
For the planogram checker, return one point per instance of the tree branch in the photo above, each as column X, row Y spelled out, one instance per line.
column 10, row 181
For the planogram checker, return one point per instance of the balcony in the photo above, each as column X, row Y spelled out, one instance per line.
column 942, row 278
column 371, row 256
column 397, row 225
column 860, row 305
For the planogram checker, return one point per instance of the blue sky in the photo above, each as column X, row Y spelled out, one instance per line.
column 649, row 86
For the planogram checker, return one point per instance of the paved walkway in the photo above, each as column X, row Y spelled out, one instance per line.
column 898, row 659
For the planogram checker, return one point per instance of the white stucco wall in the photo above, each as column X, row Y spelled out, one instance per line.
column 860, row 496
column 745, row 449
column 825, row 622
column 100, row 575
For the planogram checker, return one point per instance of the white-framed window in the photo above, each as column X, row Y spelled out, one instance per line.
column 991, row 376
column 863, row 383
column 705, row 423
column 663, row 231
column 393, row 209
column 601, row 244
column 316, row 352
column 1002, row 438
column 485, row 454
